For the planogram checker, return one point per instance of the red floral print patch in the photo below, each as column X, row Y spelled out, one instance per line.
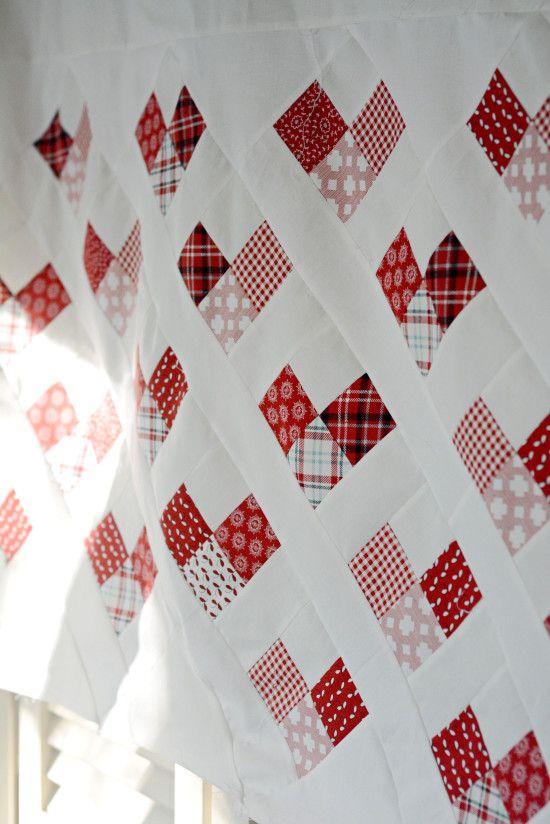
column 247, row 538
column 523, row 780
column 399, row 275
column 287, row 408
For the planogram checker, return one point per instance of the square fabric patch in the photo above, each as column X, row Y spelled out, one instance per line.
column 535, row 454
column 261, row 265
column 378, row 127
column 54, row 145
column 481, row 444
column 450, row 588
column 306, row 736
column 43, row 298
column 168, row 386
column 542, row 121
column 317, row 461
column 52, row 416
column 247, row 538
column 122, row 596
column 499, row 122
column 97, row 257
column 15, row 328
column 452, row 280
column 461, row 754
column 523, row 781
column 382, row 570
column 344, row 177
column 412, row 630
column 421, row 328
column 15, row 526
column 399, row 275
column 228, row 310
column 151, row 427
column 311, row 127
column 212, row 578
column 527, row 177
column 201, row 263
column 482, row 803
column 106, row 549
column 143, row 563
column 358, row 419
column 287, row 408
column 103, row 428
column 184, row 528
column 278, row 680
column 337, row 701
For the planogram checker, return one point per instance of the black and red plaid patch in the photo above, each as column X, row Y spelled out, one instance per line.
column 452, row 279
column 358, row 419
column 186, row 127
column 54, row 145
column 201, row 263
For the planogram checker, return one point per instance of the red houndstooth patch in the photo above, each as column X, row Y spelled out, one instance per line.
column 481, row 444
column 337, row 701
column 106, row 549
column 278, row 680
column 311, row 127
column 399, row 275
column 150, row 131
column 382, row 570
column 104, row 428
column 523, row 781
column 287, row 408
column 461, row 754
column 97, row 258
column 499, row 122
column 183, row 526
column 450, row 588
column 143, row 564
column 261, row 265
column 201, row 263
column 15, row 526
column 358, row 419
column 247, row 538
column 378, row 127
column 43, row 298
column 168, row 386
column 535, row 454
column 452, row 280
column 52, row 416
column 186, row 128
column 54, row 145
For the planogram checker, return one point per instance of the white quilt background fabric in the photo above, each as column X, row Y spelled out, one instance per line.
column 275, row 395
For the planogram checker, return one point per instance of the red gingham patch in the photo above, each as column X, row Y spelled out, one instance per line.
column 358, row 419
column 105, row 548
column 287, row 408
column 452, row 280
column 399, row 275
column 201, row 263
column 104, row 428
column 337, row 701
column 378, row 127
column 183, row 526
column 186, row 128
column 143, row 564
column 54, row 145
column 247, row 538
column 130, row 257
column 535, row 454
column 542, row 121
column 499, row 122
column 523, row 780
column 52, row 416
column 15, row 527
column 450, row 588
column 261, row 265
column 168, row 386
column 461, row 753
column 43, row 298
column 382, row 570
column 150, row 131
column 97, row 258
column 311, row 127
column 278, row 680
column 481, row 444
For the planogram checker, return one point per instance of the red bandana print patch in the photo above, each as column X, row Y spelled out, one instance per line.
column 168, row 386
column 337, row 701
column 452, row 280
column 54, row 145
column 106, row 549
column 143, row 563
column 247, row 538
column 183, row 526
column 201, row 263
column 43, row 298
column 450, row 588
column 399, row 275
column 311, row 127
column 15, row 526
column 278, row 680
column 461, row 753
column 52, row 416
column 523, row 780
column 287, row 408
column 535, row 454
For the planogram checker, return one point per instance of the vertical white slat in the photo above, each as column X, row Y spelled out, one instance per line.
column 188, row 797
column 8, row 758
column 34, row 787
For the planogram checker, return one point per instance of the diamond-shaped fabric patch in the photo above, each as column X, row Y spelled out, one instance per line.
column 166, row 173
column 528, row 175
column 378, row 127
column 168, row 386
column 344, row 177
column 535, row 454
column 451, row 588
column 151, row 427
column 122, row 596
column 461, row 754
column 421, row 329
column 212, row 578
column 228, row 310
column 43, row 298
column 261, row 265
column 186, row 128
column 482, row 803
column 306, row 736
column 143, row 564
column 337, row 701
column 542, row 121
column 184, row 528
column 104, row 428
column 70, row 458
column 201, row 263
column 287, row 408
column 523, row 781
column 499, row 122
column 481, row 444
column 399, row 275
column 150, row 131
column 116, row 296
column 311, row 127
column 54, row 145
column 15, row 526
column 97, row 257
column 412, row 630
column 451, row 279
column 52, row 416
column 247, row 538
column 317, row 461
column 278, row 680
column 130, row 256
column 15, row 327
column 106, row 548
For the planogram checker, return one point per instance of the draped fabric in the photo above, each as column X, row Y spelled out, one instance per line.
column 275, row 394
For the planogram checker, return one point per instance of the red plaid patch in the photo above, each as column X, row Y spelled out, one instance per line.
column 452, row 279
column 358, row 419
column 186, row 128
column 535, row 454
column 97, row 258
column 450, row 588
column 287, row 408
column 15, row 526
column 52, row 416
column 183, row 526
column 150, row 131
column 461, row 754
column 523, row 780
column 337, row 701
column 130, row 257
column 168, row 386
column 43, row 298
column 311, row 127
column 499, row 122
column 261, row 265
column 542, row 121
column 278, row 680
column 378, row 127
column 382, row 570
column 15, row 327
column 54, row 145
column 201, row 263
column 104, row 428
column 247, row 538
column 482, row 803
column 143, row 564
column 481, row 444
column 399, row 275
column 122, row 596
column 105, row 548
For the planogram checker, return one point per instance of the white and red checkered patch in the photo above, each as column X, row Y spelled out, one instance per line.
column 481, row 444
column 15, row 328
column 151, row 427
column 481, row 804
column 15, row 526
column 166, row 173
column 278, row 680
column 122, row 596
column 542, row 121
column 378, row 127
column 261, row 265
column 130, row 256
